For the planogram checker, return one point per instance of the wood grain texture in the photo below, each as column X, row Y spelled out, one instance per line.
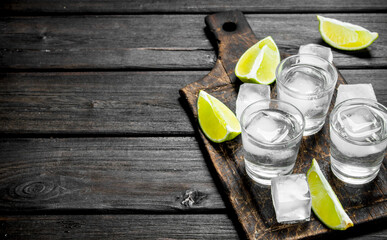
column 376, row 77
column 175, row 41
column 186, row 6
column 113, row 103
column 252, row 202
column 105, row 175
column 94, row 103
column 140, row 226
column 192, row 226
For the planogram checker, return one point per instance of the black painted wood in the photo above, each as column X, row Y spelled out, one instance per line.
column 160, row 41
column 94, row 103
column 118, row 226
column 186, row 6
column 49, row 175
column 146, row 226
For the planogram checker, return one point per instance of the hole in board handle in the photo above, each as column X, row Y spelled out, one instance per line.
column 229, row 26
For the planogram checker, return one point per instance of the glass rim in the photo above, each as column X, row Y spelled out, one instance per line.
column 361, row 102
column 244, row 112
column 300, row 93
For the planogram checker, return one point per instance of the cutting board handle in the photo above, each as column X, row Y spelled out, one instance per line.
column 233, row 36
column 227, row 24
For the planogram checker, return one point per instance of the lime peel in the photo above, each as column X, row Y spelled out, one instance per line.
column 217, row 121
column 325, row 203
column 258, row 63
column 344, row 35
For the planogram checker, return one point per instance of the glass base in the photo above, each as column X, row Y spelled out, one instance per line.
column 351, row 179
column 258, row 179
column 263, row 177
column 313, row 130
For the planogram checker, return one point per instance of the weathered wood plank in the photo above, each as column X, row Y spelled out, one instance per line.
column 94, row 103
column 376, row 77
column 104, row 42
column 202, row 226
column 186, row 6
column 105, row 174
column 174, row 41
column 136, row 226
column 112, row 102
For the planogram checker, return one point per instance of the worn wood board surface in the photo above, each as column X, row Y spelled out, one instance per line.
column 252, row 202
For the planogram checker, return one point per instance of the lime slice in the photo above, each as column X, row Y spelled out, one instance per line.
column 217, row 121
column 325, row 203
column 345, row 36
column 258, row 63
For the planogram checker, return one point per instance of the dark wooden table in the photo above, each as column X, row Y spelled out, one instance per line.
column 95, row 141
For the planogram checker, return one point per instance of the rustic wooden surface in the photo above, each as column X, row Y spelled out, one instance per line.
column 253, row 203
column 95, row 140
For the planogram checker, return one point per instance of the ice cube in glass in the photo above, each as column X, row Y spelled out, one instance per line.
column 360, row 123
column 270, row 127
column 271, row 136
column 249, row 93
column 305, row 79
column 291, row 198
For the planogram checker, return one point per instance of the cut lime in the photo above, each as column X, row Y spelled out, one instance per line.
column 258, row 63
column 216, row 120
column 345, row 36
column 325, row 203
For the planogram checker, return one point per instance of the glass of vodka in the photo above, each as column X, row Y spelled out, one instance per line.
column 307, row 81
column 358, row 132
column 271, row 135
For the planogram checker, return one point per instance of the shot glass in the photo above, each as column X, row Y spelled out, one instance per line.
column 307, row 81
column 358, row 139
column 271, row 136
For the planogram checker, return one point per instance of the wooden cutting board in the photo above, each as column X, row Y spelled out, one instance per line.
column 252, row 202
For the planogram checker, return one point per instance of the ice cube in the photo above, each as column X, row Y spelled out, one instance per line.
column 249, row 93
column 308, row 107
column 361, row 124
column 291, row 198
column 304, row 81
column 318, row 50
column 348, row 91
column 354, row 150
column 270, row 127
column 274, row 155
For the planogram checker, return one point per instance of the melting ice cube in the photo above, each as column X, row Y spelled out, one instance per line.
column 270, row 127
column 318, row 50
column 348, row 91
column 249, row 93
column 304, row 80
column 291, row 198
column 360, row 123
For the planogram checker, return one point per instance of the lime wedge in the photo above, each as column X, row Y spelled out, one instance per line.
column 345, row 36
column 258, row 63
column 325, row 203
column 216, row 120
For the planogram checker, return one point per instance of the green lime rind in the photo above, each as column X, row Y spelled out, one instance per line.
column 331, row 43
column 265, row 45
column 221, row 117
column 345, row 221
